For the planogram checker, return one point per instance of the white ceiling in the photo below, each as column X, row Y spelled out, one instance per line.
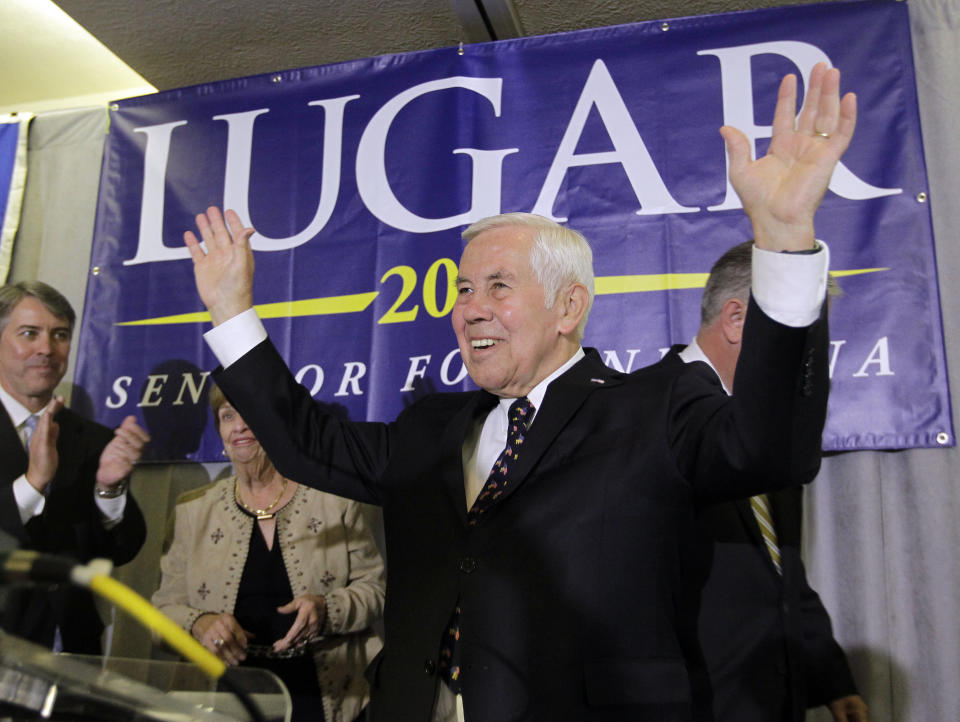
column 48, row 61
column 174, row 43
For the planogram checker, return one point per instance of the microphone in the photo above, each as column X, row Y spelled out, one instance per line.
column 22, row 565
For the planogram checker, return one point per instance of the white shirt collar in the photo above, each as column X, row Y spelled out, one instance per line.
column 18, row 412
column 540, row 390
column 693, row 352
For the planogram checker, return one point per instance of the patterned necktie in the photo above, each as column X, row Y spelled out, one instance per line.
column 519, row 416
column 28, row 426
column 761, row 510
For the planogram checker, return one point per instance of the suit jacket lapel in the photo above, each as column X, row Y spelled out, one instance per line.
column 11, row 450
column 564, row 397
column 14, row 463
column 452, row 443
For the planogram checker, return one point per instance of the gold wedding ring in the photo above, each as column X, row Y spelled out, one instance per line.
column 217, row 643
column 821, row 134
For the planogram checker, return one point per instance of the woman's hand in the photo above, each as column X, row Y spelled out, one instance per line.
column 222, row 635
column 311, row 610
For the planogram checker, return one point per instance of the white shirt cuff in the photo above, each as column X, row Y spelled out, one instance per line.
column 30, row 502
column 234, row 337
column 791, row 287
column 111, row 510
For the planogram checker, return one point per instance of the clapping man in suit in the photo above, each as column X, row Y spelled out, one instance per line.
column 535, row 528
column 63, row 477
column 766, row 636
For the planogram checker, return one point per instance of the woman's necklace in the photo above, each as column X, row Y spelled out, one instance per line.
column 264, row 513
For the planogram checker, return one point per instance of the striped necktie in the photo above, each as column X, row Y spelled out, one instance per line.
column 27, row 427
column 761, row 511
column 518, row 419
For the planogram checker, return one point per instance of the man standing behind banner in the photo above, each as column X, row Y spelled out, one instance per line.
column 557, row 588
column 63, row 479
column 766, row 636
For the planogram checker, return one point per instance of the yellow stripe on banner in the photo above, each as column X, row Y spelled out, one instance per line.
column 651, row 282
column 357, row 302
column 352, row 303
column 857, row 271
column 606, row 285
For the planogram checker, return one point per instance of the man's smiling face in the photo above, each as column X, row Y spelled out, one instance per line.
column 34, row 348
column 508, row 338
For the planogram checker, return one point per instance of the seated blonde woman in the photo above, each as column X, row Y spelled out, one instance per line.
column 268, row 573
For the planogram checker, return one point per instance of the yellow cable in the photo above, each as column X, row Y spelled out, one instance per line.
column 154, row 619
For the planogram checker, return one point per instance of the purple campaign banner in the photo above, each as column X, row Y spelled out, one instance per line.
column 360, row 176
column 9, row 138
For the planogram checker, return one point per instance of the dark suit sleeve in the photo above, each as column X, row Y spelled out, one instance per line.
column 13, row 463
column 821, row 660
column 10, row 524
column 828, row 675
column 768, row 434
column 121, row 542
column 303, row 439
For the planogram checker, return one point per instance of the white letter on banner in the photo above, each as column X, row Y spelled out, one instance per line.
column 153, row 390
column 190, row 384
column 879, row 355
column 120, row 386
column 834, row 353
column 318, row 382
column 150, row 246
column 374, row 186
column 418, row 369
column 353, row 371
column 445, row 369
column 629, row 150
column 737, row 88
column 236, row 187
column 612, row 359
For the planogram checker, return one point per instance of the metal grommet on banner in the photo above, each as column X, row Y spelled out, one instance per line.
column 921, row 197
column 277, row 78
column 460, row 48
column 664, row 26
column 95, row 270
column 943, row 438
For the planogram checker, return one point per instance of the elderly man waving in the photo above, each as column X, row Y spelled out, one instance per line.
column 534, row 527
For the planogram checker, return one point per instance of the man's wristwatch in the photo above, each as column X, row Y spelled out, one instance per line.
column 112, row 492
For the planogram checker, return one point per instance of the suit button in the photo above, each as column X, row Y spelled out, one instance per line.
column 429, row 667
column 467, row 565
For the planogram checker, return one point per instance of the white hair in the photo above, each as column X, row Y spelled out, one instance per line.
column 559, row 255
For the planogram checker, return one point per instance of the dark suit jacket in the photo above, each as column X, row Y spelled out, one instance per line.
column 766, row 638
column 576, row 597
column 70, row 526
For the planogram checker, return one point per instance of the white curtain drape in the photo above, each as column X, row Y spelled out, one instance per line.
column 881, row 530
